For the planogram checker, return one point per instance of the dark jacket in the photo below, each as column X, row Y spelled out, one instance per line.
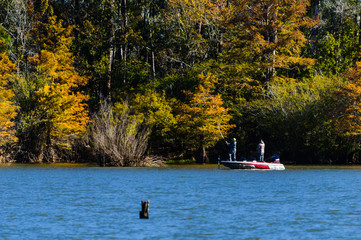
column 232, row 146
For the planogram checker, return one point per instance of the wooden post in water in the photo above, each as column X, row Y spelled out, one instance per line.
column 145, row 210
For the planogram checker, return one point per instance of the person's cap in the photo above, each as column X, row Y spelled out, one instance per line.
column 234, row 139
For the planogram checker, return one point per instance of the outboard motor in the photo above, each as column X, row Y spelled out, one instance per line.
column 275, row 159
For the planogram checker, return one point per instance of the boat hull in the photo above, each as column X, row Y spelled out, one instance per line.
column 253, row 165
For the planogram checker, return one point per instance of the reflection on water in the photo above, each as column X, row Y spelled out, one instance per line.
column 185, row 203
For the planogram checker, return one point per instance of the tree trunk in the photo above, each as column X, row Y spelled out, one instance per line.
column 111, row 51
column 49, row 154
column 124, row 46
column 202, row 155
column 77, row 16
column 152, row 43
column 271, row 38
column 358, row 22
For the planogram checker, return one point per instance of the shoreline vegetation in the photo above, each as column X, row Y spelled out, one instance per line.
column 174, row 165
column 150, row 83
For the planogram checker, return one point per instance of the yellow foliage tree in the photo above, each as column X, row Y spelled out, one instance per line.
column 152, row 110
column 201, row 121
column 59, row 106
column 7, row 107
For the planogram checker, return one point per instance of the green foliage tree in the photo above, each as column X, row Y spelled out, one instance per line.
column 258, row 50
column 118, row 44
column 193, row 29
column 296, row 121
column 264, row 39
column 335, row 41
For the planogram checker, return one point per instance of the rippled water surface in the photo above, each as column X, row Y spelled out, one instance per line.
column 185, row 203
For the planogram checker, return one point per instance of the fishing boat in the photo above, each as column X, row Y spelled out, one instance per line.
column 275, row 164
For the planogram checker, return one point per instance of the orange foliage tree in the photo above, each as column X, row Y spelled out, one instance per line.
column 348, row 105
column 56, row 109
column 203, row 117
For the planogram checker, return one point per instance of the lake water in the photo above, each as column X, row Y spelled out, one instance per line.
column 185, row 203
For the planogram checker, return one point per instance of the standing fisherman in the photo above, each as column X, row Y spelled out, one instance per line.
column 232, row 150
column 260, row 150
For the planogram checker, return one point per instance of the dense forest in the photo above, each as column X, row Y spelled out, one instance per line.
column 136, row 82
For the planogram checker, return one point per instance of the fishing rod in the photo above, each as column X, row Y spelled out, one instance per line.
column 220, row 131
